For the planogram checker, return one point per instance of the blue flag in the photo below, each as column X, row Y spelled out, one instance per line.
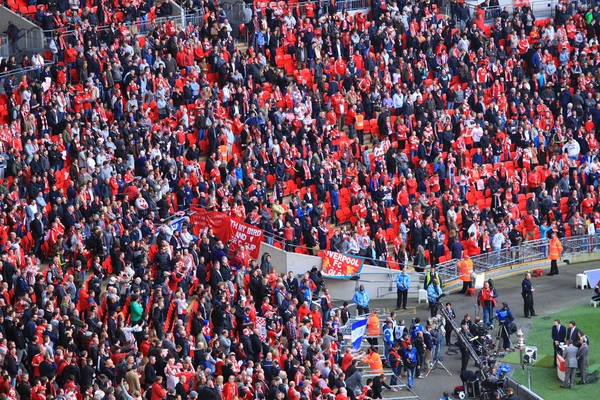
column 177, row 224
column 358, row 331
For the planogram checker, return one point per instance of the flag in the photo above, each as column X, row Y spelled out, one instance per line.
column 177, row 224
column 261, row 325
column 358, row 331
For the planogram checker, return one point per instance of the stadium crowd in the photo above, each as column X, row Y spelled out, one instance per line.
column 434, row 135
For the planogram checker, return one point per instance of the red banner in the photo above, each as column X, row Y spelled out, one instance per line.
column 218, row 222
column 228, row 229
column 246, row 234
column 340, row 266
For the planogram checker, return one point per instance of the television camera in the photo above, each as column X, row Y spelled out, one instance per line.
column 485, row 383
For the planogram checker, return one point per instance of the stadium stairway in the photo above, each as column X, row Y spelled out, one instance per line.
column 31, row 37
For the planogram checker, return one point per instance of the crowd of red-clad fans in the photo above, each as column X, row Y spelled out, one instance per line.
column 435, row 136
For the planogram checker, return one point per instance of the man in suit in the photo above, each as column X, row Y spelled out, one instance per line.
column 582, row 358
column 558, row 336
column 570, row 355
column 37, row 231
column 216, row 276
column 573, row 334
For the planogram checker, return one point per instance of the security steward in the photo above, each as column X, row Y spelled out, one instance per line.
column 555, row 249
column 465, row 270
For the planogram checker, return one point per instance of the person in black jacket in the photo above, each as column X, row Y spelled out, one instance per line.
column 11, row 364
column 317, row 278
column 48, row 367
column 37, row 231
column 256, row 345
column 150, row 372
column 24, row 388
column 71, row 372
column 208, row 392
column 95, row 242
column 378, row 385
column 88, row 373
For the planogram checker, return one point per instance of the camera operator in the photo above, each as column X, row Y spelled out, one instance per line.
column 448, row 324
column 464, row 351
column 478, row 330
column 395, row 361
column 467, row 321
column 510, row 395
column 505, row 319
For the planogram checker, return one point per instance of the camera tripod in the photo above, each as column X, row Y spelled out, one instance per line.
column 485, row 370
column 436, row 363
column 502, row 329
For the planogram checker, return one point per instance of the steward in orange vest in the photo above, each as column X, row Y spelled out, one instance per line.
column 465, row 269
column 555, row 249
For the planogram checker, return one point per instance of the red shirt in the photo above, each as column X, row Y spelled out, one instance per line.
column 414, row 143
column 411, row 186
column 346, row 361
column 158, row 392
column 529, row 223
column 587, row 206
column 37, row 360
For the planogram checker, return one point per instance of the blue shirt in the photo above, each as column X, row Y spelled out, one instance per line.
column 403, row 281
column 433, row 293
column 410, row 355
column 361, row 298
column 334, row 196
column 544, row 230
column 388, row 335
column 418, row 328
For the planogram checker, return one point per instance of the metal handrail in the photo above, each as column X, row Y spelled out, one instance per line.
column 156, row 22
column 539, row 8
column 350, row 5
column 18, row 71
column 531, row 251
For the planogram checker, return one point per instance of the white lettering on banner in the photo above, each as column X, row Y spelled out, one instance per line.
column 343, row 259
column 240, row 235
column 254, row 232
column 246, row 235
column 237, row 226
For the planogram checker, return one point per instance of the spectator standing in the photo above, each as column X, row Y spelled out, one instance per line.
column 402, row 286
column 361, row 299
column 559, row 332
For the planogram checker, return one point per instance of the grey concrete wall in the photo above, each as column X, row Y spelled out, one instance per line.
column 34, row 39
column 379, row 282
column 300, row 263
column 278, row 257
